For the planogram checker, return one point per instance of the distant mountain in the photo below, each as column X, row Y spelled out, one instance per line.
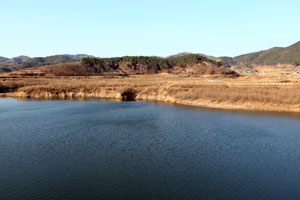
column 40, row 61
column 15, row 60
column 20, row 59
column 78, row 56
column 179, row 55
column 3, row 59
column 273, row 56
column 22, row 62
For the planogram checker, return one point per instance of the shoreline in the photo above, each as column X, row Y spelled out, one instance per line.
column 202, row 104
column 211, row 92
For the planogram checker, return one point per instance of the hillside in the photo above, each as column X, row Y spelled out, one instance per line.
column 3, row 59
column 40, row 61
column 23, row 62
column 20, row 59
column 273, row 56
column 78, row 57
column 191, row 64
column 15, row 60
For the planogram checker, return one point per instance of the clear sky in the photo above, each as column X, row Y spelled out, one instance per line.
column 108, row 28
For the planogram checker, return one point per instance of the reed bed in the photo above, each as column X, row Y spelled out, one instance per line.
column 163, row 86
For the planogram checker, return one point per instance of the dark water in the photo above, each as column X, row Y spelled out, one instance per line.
column 135, row 150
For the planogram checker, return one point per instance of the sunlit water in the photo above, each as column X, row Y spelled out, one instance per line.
column 136, row 150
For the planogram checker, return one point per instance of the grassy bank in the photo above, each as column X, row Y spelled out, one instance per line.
column 209, row 92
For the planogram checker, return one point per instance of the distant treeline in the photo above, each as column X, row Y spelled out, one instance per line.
column 154, row 63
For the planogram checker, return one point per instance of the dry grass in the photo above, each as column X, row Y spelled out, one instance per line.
column 275, row 95
column 233, row 91
column 69, row 69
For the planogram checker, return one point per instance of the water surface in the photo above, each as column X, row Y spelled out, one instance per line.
column 137, row 150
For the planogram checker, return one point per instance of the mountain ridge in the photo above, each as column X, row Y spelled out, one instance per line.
column 272, row 56
column 23, row 62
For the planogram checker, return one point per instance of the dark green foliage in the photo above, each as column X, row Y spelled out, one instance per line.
column 152, row 63
column 189, row 59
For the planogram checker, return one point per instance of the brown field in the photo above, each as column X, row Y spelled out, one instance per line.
column 252, row 92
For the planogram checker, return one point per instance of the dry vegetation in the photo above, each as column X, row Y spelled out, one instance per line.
column 245, row 93
column 276, row 95
column 69, row 69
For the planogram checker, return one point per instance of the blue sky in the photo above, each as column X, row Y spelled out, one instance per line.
column 108, row 28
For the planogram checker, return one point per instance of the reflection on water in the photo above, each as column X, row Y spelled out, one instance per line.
column 137, row 150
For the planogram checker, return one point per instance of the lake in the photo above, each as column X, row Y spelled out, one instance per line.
column 138, row 150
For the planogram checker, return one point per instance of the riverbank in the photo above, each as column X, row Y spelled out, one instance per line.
column 205, row 91
column 243, row 106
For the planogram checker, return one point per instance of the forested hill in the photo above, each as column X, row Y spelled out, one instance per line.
column 273, row 56
column 188, row 63
column 155, row 63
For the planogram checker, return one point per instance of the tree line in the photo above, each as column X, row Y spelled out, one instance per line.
column 156, row 63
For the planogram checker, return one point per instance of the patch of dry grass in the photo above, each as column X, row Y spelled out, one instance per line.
column 234, row 91
column 276, row 95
